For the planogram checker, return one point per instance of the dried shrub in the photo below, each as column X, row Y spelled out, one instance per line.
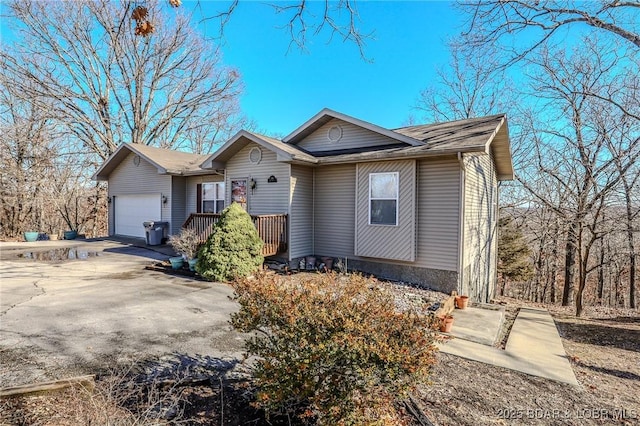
column 186, row 242
column 234, row 248
column 332, row 348
column 117, row 399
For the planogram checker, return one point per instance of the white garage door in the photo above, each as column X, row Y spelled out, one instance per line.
column 132, row 210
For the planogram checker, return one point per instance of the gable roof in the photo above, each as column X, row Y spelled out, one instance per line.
column 327, row 114
column 284, row 151
column 482, row 134
column 167, row 161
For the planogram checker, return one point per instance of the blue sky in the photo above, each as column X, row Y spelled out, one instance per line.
column 285, row 87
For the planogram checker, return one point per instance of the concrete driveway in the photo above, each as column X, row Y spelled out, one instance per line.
column 78, row 316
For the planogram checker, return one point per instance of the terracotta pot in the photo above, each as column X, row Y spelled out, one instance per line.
column 446, row 324
column 462, row 302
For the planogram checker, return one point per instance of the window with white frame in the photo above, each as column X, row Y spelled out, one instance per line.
column 212, row 197
column 383, row 198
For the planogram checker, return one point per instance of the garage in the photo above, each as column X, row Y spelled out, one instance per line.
column 131, row 210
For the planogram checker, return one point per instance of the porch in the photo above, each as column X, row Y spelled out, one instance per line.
column 272, row 229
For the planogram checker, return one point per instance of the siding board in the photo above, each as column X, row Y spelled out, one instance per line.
column 480, row 226
column 438, row 213
column 334, row 203
column 387, row 242
column 178, row 202
column 301, row 215
column 352, row 137
column 129, row 179
column 267, row 198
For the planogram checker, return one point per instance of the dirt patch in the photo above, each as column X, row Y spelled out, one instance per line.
column 604, row 350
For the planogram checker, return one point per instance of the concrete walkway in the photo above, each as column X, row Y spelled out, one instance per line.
column 479, row 325
column 534, row 347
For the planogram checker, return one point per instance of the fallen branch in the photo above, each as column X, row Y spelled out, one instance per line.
column 88, row 382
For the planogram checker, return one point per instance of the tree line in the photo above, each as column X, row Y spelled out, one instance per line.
column 567, row 73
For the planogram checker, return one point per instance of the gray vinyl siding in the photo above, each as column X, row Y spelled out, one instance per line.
column 129, row 179
column 352, row 137
column 438, row 213
column 334, row 203
column 395, row 242
column 301, row 215
column 178, row 203
column 267, row 198
column 191, row 191
column 480, row 226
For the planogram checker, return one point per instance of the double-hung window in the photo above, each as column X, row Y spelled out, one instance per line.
column 383, row 198
column 212, row 197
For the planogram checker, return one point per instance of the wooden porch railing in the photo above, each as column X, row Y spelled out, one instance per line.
column 272, row 229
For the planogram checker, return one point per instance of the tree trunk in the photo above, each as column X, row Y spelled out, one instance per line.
column 601, row 272
column 632, row 281
column 582, row 273
column 569, row 265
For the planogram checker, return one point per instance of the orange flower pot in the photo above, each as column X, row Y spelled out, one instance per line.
column 462, row 302
column 446, row 324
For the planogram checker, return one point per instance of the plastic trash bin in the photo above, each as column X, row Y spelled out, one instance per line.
column 155, row 232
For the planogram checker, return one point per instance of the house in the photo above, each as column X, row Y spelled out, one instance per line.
column 417, row 204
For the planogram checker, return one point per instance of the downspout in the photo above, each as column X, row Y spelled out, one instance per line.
column 289, row 215
column 313, row 210
column 461, row 225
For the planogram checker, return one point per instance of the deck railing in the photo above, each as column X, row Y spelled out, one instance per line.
column 272, row 229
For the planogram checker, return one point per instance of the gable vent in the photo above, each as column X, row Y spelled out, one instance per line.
column 334, row 134
column 255, row 155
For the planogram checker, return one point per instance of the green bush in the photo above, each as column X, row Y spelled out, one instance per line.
column 332, row 348
column 233, row 249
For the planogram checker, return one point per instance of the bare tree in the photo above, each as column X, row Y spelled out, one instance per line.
column 572, row 138
column 491, row 22
column 471, row 85
column 630, row 183
column 340, row 19
column 26, row 155
column 107, row 86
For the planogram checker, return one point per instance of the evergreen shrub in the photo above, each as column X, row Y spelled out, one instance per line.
column 234, row 248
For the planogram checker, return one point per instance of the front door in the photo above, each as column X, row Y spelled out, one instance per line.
column 239, row 192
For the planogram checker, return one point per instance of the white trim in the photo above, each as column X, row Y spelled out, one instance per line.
column 396, row 199
column 215, row 199
column 282, row 154
column 461, row 223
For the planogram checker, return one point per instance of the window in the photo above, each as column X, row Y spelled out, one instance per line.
column 383, row 198
column 212, row 197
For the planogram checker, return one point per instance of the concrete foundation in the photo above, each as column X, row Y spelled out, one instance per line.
column 434, row 279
